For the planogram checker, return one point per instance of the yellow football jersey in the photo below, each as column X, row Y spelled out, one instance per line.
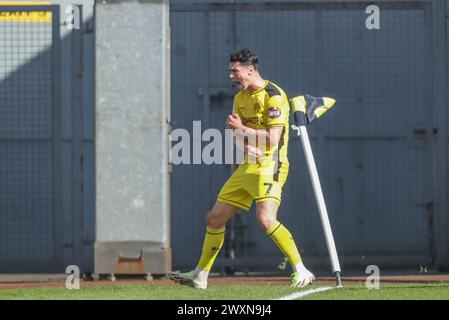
column 264, row 179
column 264, row 108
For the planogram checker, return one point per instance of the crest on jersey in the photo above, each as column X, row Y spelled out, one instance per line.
column 256, row 107
column 274, row 113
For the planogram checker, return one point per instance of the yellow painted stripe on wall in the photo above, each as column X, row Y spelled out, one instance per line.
column 20, row 16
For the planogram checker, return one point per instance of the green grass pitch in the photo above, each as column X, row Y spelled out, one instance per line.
column 229, row 292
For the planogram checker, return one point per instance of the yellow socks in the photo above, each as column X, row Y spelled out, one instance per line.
column 214, row 239
column 212, row 244
column 284, row 240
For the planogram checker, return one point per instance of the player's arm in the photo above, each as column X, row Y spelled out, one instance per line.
column 241, row 143
column 269, row 136
column 276, row 114
column 239, row 140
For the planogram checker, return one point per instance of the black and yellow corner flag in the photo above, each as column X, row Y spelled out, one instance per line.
column 307, row 108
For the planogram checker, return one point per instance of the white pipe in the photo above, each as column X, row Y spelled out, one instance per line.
column 319, row 198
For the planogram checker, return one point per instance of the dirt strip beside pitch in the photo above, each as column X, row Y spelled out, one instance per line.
column 262, row 281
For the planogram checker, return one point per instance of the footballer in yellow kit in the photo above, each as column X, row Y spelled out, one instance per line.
column 265, row 108
column 260, row 124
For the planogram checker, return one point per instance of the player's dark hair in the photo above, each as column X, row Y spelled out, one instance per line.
column 245, row 56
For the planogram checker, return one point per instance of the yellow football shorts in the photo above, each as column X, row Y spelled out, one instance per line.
column 259, row 182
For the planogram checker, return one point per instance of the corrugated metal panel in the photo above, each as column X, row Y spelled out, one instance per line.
column 27, row 211
column 41, row 75
column 372, row 162
column 187, row 64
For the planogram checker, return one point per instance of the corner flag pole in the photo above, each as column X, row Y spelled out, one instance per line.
column 305, row 109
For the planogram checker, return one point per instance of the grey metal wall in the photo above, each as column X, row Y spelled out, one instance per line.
column 26, row 163
column 46, row 141
column 381, row 152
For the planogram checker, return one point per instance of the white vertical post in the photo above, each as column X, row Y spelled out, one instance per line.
column 320, row 202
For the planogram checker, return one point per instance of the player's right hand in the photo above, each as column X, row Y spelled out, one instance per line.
column 253, row 151
column 234, row 122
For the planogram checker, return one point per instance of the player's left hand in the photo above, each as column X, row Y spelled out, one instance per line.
column 234, row 122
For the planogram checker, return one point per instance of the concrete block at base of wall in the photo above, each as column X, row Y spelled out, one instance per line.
column 122, row 258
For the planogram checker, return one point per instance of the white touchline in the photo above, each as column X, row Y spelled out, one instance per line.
column 302, row 294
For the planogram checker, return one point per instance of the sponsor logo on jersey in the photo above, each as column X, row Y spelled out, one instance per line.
column 274, row 113
column 252, row 120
